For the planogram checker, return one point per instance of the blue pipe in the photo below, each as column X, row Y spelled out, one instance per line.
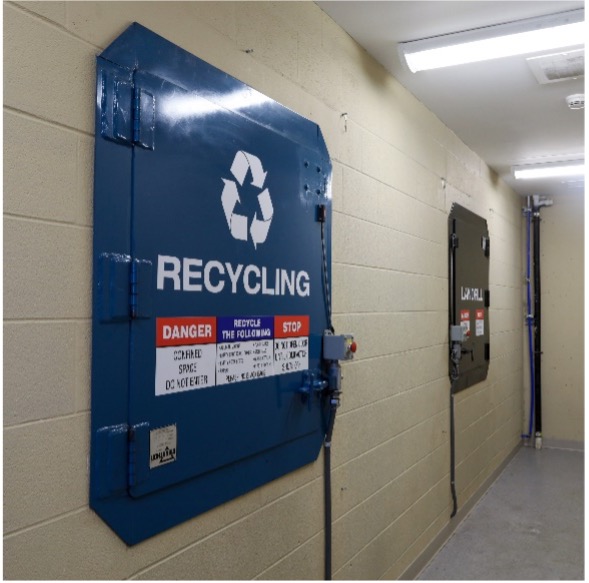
column 529, row 317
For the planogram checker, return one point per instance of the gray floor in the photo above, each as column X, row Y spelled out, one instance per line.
column 528, row 526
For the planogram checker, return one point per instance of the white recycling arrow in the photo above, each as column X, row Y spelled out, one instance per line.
column 241, row 163
column 258, row 174
column 237, row 223
column 266, row 205
column 239, row 227
column 229, row 198
column 259, row 228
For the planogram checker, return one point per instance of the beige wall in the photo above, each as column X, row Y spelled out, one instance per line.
column 562, row 271
column 397, row 170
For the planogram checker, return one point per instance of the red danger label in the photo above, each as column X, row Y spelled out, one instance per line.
column 185, row 331
column 480, row 314
column 464, row 315
column 291, row 326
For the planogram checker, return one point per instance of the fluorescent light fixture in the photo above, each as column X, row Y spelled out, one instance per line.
column 555, row 170
column 558, row 31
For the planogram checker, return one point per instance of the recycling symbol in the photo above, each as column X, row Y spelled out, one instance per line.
column 237, row 223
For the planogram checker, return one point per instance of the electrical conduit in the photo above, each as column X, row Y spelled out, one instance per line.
column 529, row 316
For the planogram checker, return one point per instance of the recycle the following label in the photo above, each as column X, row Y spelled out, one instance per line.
column 237, row 223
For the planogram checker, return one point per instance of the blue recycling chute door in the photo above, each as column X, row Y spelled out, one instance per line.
column 219, row 236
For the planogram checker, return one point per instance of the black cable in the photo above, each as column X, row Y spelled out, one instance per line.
column 327, row 488
column 333, row 405
column 454, row 376
column 326, row 291
column 452, row 456
column 455, row 356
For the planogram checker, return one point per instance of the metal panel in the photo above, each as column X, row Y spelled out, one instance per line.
column 469, row 292
column 209, row 204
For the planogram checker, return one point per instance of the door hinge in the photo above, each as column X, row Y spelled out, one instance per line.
column 140, row 297
column 108, row 460
column 138, row 454
column 124, row 288
column 143, row 118
column 113, row 287
column 121, row 459
column 116, row 86
column 127, row 112
column 454, row 241
column 486, row 245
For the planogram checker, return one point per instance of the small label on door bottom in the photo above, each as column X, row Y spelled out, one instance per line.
column 162, row 446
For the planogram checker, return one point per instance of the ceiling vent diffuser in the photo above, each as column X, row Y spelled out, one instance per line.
column 558, row 67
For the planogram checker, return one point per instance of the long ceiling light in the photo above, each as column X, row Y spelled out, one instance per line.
column 557, row 170
column 565, row 29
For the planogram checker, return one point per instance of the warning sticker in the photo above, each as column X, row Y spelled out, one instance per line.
column 162, row 446
column 200, row 352
column 480, row 322
column 465, row 322
column 185, row 355
column 185, row 331
column 291, row 346
column 244, row 351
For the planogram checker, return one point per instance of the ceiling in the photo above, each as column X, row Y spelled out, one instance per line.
column 497, row 108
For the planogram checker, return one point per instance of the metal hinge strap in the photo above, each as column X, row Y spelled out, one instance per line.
column 133, row 289
column 143, row 118
column 127, row 111
column 138, row 451
column 136, row 114
column 487, row 246
column 116, row 103
column 131, row 458
column 140, row 289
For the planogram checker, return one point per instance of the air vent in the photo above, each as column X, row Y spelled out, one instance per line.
column 558, row 67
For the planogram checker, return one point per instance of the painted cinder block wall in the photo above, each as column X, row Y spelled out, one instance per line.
column 397, row 171
column 562, row 270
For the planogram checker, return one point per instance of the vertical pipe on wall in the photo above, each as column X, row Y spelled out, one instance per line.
column 539, row 201
column 529, row 314
column 538, row 331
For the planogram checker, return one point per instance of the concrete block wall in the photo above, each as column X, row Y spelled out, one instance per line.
column 397, row 171
column 562, row 271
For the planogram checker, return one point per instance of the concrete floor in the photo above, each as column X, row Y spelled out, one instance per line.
column 528, row 526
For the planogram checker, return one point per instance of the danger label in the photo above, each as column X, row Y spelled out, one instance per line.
column 201, row 352
column 185, row 331
column 480, row 322
column 291, row 355
column 291, row 326
column 291, row 345
column 185, row 354
column 465, row 322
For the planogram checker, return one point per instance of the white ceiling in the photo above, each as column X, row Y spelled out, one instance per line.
column 498, row 108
